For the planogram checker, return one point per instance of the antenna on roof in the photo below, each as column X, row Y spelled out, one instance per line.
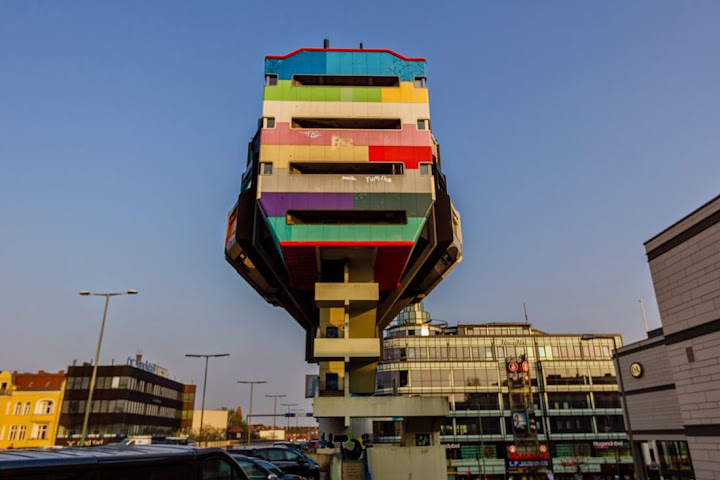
column 526, row 315
column 642, row 309
column 326, row 43
column 361, row 46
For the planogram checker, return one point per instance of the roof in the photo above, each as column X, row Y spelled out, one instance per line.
column 39, row 381
column 684, row 218
column 372, row 50
column 23, row 459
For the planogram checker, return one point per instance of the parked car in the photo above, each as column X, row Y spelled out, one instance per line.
column 299, row 446
column 286, row 459
column 257, row 469
column 121, row 462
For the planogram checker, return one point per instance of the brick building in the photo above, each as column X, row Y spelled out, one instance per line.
column 672, row 386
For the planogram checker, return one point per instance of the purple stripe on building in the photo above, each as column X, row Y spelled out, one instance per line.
column 276, row 204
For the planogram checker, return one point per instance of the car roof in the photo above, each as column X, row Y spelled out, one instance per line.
column 106, row 454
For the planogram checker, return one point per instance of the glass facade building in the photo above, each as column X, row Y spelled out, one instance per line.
column 511, row 389
column 126, row 401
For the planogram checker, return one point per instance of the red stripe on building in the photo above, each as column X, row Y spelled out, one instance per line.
column 410, row 156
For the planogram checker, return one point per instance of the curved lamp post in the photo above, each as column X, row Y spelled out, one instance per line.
column 88, row 406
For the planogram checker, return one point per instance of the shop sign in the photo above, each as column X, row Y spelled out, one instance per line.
column 527, row 463
column 451, row 446
column 607, row 444
column 528, row 456
column 636, row 369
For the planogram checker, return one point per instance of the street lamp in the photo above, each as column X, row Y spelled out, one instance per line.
column 207, row 358
column 275, row 408
column 288, row 413
column 252, row 384
column 107, row 296
column 636, row 464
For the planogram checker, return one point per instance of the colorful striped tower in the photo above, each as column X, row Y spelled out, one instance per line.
column 344, row 217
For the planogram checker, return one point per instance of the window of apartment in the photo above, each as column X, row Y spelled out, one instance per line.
column 44, row 407
column 26, row 410
column 266, row 168
column 271, row 79
column 268, row 122
column 423, row 124
column 2, row 432
column 13, row 432
column 22, row 431
column 18, row 408
column 425, row 168
column 115, row 382
column 420, row 82
column 41, row 431
column 571, row 424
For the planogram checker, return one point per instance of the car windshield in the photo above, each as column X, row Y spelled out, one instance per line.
column 270, row 467
column 251, row 469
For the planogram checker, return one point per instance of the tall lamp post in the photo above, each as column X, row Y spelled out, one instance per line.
column 275, row 397
column 288, row 415
column 207, row 358
column 252, row 384
column 636, row 463
column 88, row 406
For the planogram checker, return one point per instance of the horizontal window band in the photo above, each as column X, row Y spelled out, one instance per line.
column 347, row 80
column 684, row 236
column 346, row 217
column 347, row 168
column 657, row 388
column 693, row 332
column 347, row 123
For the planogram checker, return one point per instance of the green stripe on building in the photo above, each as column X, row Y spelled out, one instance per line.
column 284, row 91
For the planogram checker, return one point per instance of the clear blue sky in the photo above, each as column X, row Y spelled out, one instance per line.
column 572, row 132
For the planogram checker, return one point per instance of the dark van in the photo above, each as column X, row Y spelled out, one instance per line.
column 120, row 462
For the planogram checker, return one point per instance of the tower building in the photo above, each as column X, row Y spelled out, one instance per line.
column 343, row 216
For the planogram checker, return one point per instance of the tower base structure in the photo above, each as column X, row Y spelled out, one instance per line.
column 347, row 348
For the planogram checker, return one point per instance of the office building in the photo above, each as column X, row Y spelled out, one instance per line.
column 29, row 408
column 132, row 399
column 522, row 401
column 672, row 378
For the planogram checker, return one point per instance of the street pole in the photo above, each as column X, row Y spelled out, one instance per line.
column 275, row 397
column 88, row 406
column 249, row 425
column 207, row 359
column 287, row 427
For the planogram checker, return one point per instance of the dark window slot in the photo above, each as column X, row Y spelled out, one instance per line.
column 348, row 123
column 346, row 80
column 346, row 217
column 346, row 168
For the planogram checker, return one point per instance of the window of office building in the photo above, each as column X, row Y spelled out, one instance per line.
column 572, row 424
column 477, row 401
column 607, row 399
column 567, row 400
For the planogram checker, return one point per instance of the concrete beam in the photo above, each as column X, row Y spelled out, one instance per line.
column 339, row 294
column 371, row 407
column 346, row 348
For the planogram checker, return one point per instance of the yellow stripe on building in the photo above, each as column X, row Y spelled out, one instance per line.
column 281, row 155
column 406, row 93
